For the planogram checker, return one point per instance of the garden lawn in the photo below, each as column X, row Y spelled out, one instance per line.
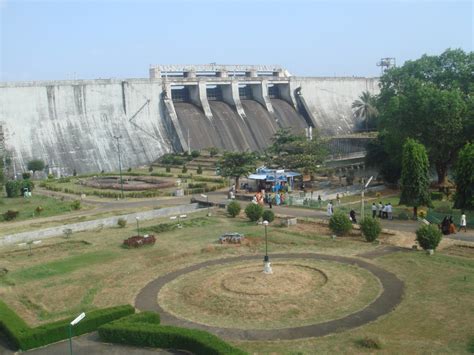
column 64, row 277
column 27, row 207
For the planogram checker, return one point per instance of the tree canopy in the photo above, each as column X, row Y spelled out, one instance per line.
column 429, row 99
column 415, row 179
column 365, row 108
column 296, row 152
column 464, row 178
column 237, row 164
column 35, row 165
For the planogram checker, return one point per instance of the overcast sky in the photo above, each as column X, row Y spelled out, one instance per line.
column 119, row 39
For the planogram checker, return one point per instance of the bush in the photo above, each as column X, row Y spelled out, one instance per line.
column 199, row 170
column 76, row 205
column 50, row 176
column 428, row 236
column 369, row 343
column 233, row 208
column 403, row 216
column 253, row 212
column 184, row 170
column 26, row 184
column 340, row 224
column 436, row 196
column 444, row 207
column 213, row 151
column 25, row 176
column 13, row 188
column 268, row 215
column 143, row 329
column 20, row 335
column 168, row 169
column 150, row 169
column 39, row 209
column 74, row 172
column 370, row 228
column 122, row 222
column 195, row 153
column 10, row 215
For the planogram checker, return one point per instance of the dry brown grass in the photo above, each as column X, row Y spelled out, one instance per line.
column 299, row 292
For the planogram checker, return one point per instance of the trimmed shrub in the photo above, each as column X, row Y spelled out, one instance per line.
column 13, row 188
column 340, row 224
column 26, row 184
column 428, row 236
column 168, row 169
column 25, row 176
column 39, row 209
column 184, row 170
column 253, row 212
column 10, row 215
column 51, row 176
column 195, row 153
column 122, row 222
column 403, row 216
column 268, row 215
column 20, row 335
column 233, row 208
column 143, row 330
column 370, row 228
column 76, row 205
column 199, row 170
column 150, row 169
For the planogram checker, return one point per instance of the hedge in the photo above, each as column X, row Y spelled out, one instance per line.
column 20, row 335
column 143, row 330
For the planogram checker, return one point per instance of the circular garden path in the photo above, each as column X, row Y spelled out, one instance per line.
column 388, row 299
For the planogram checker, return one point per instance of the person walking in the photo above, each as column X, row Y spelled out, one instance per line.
column 270, row 200
column 319, row 200
column 380, row 208
column 352, row 215
column 338, row 199
column 463, row 223
column 389, row 211
column 329, row 209
column 374, row 210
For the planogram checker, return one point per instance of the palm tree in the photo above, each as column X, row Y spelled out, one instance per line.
column 365, row 108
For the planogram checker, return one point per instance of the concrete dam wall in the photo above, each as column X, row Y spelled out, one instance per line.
column 71, row 125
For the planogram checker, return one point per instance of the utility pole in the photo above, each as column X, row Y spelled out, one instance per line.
column 120, row 162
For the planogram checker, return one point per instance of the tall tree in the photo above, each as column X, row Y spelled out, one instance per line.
column 296, row 152
column 464, row 178
column 431, row 100
column 237, row 164
column 415, row 179
column 35, row 165
column 365, row 108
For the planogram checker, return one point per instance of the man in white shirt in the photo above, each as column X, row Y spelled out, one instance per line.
column 389, row 211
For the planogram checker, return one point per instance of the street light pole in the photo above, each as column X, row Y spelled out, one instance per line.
column 267, row 266
column 120, row 163
column 364, row 186
column 74, row 322
column 138, row 226
column 208, row 206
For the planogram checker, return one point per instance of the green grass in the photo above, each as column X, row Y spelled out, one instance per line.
column 61, row 267
column 27, row 207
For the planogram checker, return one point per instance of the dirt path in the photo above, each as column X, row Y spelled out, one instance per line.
column 390, row 297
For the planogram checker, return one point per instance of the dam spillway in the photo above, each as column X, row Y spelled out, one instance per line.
column 71, row 124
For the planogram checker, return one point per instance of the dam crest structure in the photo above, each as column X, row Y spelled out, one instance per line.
column 70, row 124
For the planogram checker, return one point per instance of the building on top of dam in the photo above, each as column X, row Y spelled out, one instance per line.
column 71, row 124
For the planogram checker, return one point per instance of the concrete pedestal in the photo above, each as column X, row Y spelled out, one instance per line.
column 267, row 267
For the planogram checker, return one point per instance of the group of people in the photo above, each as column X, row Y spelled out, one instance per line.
column 382, row 211
column 447, row 226
column 263, row 197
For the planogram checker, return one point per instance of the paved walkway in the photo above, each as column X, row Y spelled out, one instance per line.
column 390, row 297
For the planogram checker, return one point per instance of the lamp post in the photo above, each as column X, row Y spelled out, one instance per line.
column 120, row 163
column 362, row 212
column 267, row 266
column 138, row 225
column 73, row 323
column 207, row 202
